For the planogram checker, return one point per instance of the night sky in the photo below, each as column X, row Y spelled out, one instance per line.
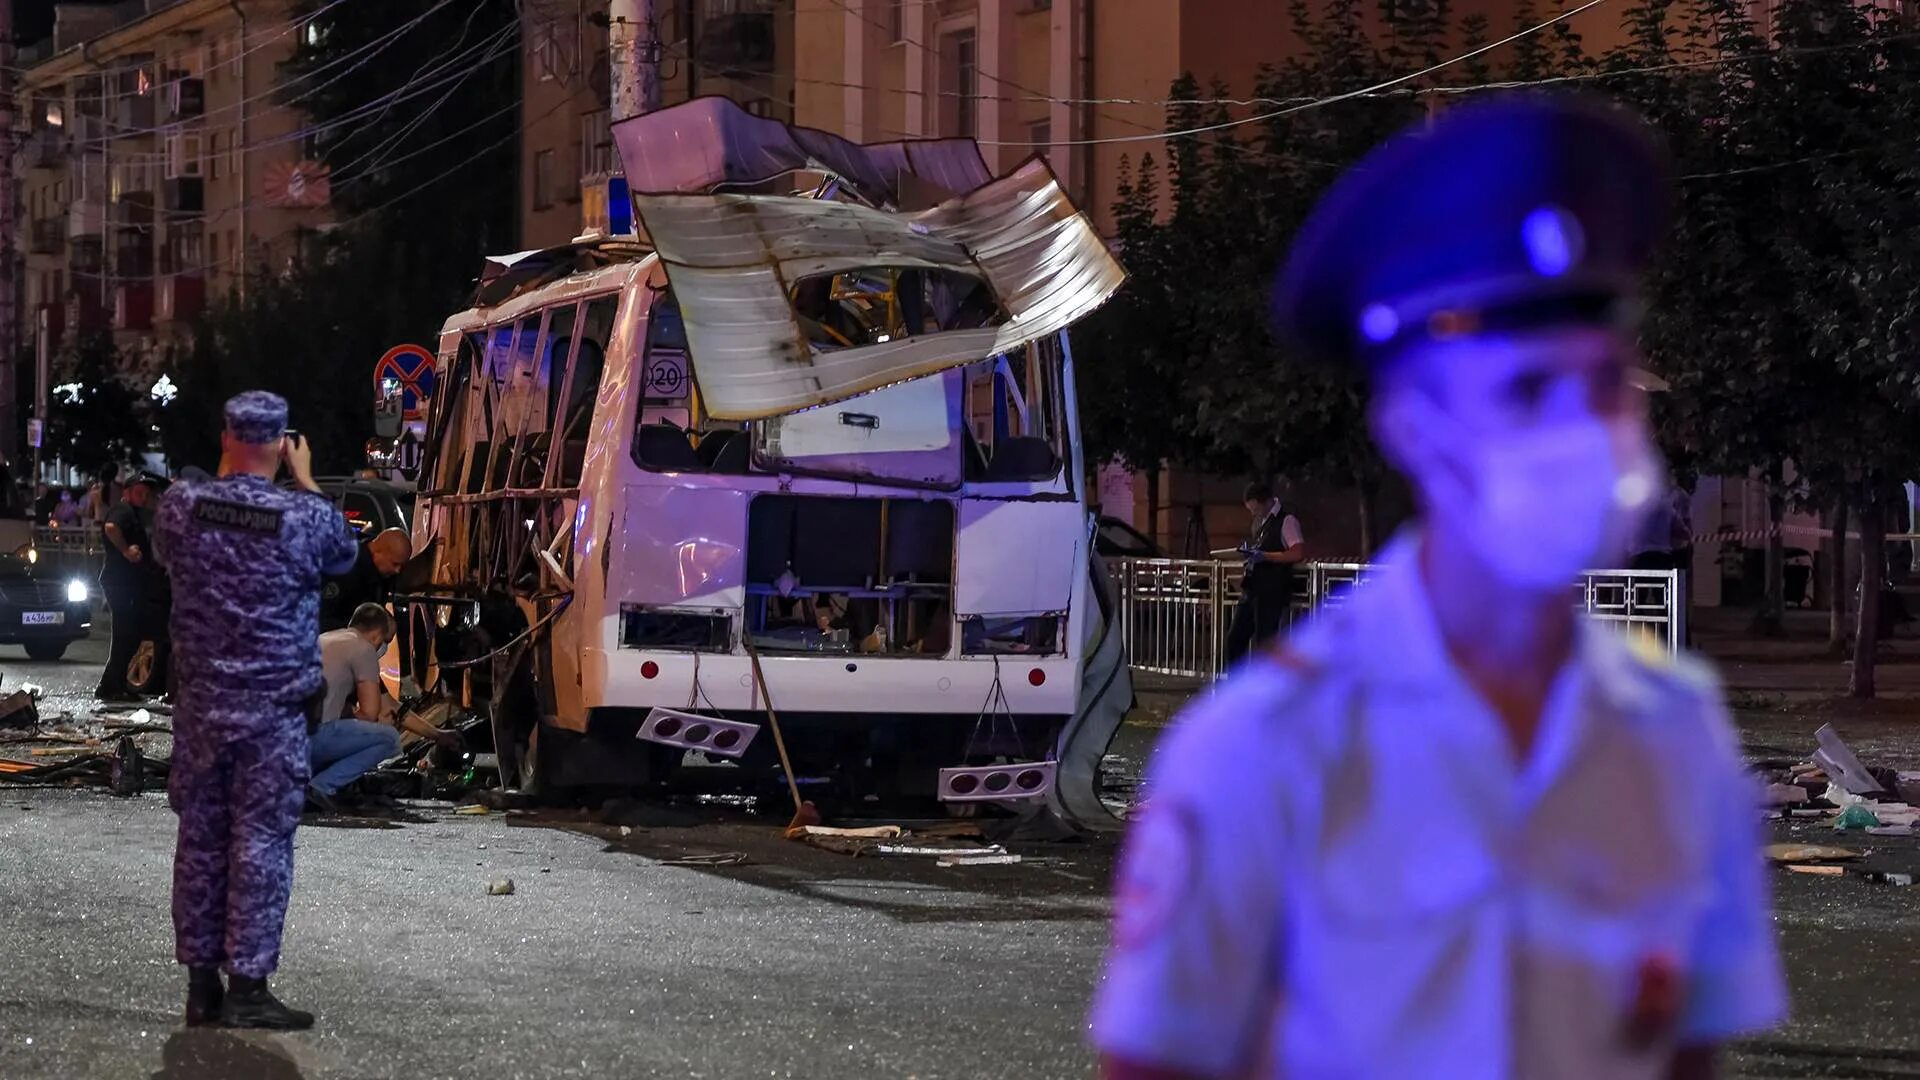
column 32, row 20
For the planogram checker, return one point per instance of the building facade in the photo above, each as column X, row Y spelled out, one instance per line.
column 159, row 165
column 732, row 48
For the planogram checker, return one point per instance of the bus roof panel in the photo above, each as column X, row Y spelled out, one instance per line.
column 700, row 145
column 733, row 258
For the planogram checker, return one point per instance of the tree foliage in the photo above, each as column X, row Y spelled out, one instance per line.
column 1782, row 310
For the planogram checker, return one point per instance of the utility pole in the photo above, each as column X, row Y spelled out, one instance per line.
column 9, row 256
column 633, row 48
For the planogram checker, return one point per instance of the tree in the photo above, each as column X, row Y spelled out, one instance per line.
column 99, row 421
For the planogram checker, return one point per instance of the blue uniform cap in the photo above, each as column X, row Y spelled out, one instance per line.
column 257, row 416
column 1524, row 212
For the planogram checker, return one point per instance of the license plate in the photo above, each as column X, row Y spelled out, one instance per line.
column 43, row 618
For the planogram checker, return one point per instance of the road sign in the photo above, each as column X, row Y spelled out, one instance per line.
column 33, row 434
column 411, row 367
column 666, row 375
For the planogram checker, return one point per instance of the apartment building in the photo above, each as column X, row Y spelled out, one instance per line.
column 734, row 48
column 158, row 167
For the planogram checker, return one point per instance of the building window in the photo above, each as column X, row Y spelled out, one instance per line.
column 896, row 20
column 1040, row 134
column 961, row 51
column 215, row 165
column 543, row 180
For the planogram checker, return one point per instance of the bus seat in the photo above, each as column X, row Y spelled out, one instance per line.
column 1024, row 457
column 665, row 447
column 726, row 451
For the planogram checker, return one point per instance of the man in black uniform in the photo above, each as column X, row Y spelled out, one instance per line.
column 127, row 581
column 369, row 582
column 1266, row 590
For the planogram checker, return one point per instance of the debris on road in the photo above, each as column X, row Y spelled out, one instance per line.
column 1856, row 816
column 1839, row 762
column 1807, row 853
column 1822, row 868
column 717, row 858
column 502, row 887
column 979, row 860
column 17, row 710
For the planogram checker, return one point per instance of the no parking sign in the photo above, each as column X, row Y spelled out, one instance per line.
column 410, row 369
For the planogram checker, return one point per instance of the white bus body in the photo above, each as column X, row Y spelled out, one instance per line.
column 858, row 501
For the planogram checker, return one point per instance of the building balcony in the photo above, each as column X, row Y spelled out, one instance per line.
column 133, row 117
column 737, row 37
column 184, row 195
column 133, row 306
column 87, row 217
column 47, row 236
column 179, row 298
column 186, row 99
column 45, row 149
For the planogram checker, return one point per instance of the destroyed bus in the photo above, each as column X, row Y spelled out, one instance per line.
column 810, row 459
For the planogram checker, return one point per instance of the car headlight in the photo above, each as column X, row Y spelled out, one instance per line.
column 77, row 592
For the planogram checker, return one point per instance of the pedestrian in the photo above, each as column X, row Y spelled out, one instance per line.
column 357, row 729
column 94, row 513
column 66, row 510
column 43, row 503
column 128, row 578
column 1272, row 549
column 370, row 581
column 1452, row 828
column 246, row 558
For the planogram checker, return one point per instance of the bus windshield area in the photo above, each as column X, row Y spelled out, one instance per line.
column 993, row 421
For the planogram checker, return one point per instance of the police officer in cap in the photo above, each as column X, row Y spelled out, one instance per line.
column 1452, row 828
column 246, row 558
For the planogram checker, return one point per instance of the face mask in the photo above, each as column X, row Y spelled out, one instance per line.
column 1546, row 503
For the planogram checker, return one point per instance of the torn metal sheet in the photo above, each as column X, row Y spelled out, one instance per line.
column 732, row 258
column 694, row 147
column 1840, row 763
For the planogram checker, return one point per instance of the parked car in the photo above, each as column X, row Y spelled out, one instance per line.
column 1115, row 539
column 44, row 611
column 370, row 505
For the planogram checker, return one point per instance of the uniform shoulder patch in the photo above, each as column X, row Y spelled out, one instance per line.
column 239, row 517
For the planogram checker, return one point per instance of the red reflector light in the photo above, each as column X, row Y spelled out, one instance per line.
column 650, row 670
column 1037, row 677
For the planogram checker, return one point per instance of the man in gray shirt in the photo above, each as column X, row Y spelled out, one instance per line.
column 357, row 730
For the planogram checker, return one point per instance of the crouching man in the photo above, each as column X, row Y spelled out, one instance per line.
column 357, row 730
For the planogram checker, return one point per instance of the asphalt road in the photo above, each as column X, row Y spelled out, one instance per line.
column 609, row 960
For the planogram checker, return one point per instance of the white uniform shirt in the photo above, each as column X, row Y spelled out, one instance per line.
column 1340, row 870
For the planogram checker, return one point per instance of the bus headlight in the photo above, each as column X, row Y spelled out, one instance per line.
column 77, row 592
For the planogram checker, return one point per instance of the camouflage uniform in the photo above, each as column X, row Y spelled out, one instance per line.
column 246, row 559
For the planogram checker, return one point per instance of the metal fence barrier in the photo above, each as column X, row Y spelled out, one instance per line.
column 1175, row 612
column 79, row 550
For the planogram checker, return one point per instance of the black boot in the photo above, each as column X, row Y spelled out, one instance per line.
column 251, row 1005
column 204, row 995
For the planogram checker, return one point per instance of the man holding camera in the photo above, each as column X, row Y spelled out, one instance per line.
column 246, row 557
